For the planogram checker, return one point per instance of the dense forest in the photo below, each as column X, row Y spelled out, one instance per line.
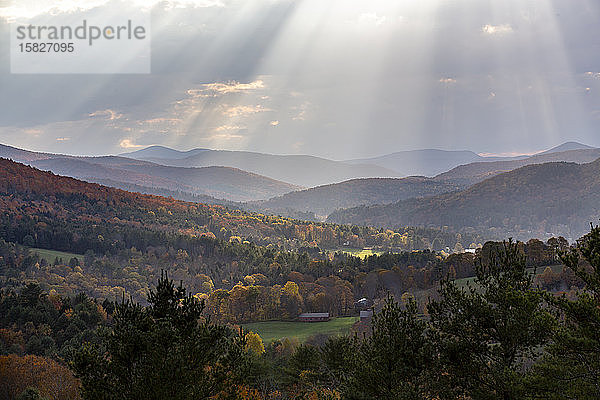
column 502, row 338
column 32, row 201
column 323, row 200
column 127, row 239
column 534, row 201
column 107, row 321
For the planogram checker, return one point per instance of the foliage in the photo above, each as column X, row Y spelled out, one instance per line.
column 35, row 322
column 487, row 336
column 59, row 213
column 33, row 377
column 163, row 351
column 254, row 343
column 530, row 201
column 391, row 363
column 571, row 367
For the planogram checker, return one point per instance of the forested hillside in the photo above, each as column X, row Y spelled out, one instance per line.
column 30, row 195
column 472, row 173
column 535, row 201
column 323, row 200
column 130, row 241
column 127, row 238
column 215, row 181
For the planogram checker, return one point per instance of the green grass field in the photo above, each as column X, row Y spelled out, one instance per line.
column 51, row 255
column 273, row 330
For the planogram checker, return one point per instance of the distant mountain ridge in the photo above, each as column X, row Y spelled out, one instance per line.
column 220, row 182
column 432, row 162
column 476, row 172
column 568, row 146
column 538, row 200
column 323, row 200
column 301, row 170
column 311, row 171
column 162, row 152
column 429, row 162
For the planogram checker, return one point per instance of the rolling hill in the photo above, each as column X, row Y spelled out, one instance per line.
column 310, row 171
column 301, row 170
column 568, row 146
column 66, row 214
column 421, row 162
column 476, row 172
column 323, row 200
column 539, row 200
column 218, row 182
column 162, row 152
column 431, row 162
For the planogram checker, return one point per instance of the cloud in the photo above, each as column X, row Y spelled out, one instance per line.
column 159, row 121
column 225, row 136
column 240, row 111
column 33, row 131
column 128, row 144
column 19, row 9
column 497, row 29
column 448, row 81
column 112, row 115
column 301, row 111
column 225, row 128
column 221, row 88
column 187, row 3
column 593, row 75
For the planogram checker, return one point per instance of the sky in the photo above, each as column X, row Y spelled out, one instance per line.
column 339, row 79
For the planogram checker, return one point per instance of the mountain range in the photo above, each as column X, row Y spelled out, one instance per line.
column 540, row 200
column 323, row 200
column 429, row 162
column 310, row 171
column 476, row 172
column 168, row 172
column 209, row 182
column 301, row 170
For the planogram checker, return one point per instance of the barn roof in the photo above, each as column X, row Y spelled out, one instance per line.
column 314, row 315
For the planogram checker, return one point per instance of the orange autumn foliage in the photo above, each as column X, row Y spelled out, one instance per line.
column 54, row 381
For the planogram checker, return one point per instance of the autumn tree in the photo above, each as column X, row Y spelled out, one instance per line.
column 254, row 343
column 40, row 375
